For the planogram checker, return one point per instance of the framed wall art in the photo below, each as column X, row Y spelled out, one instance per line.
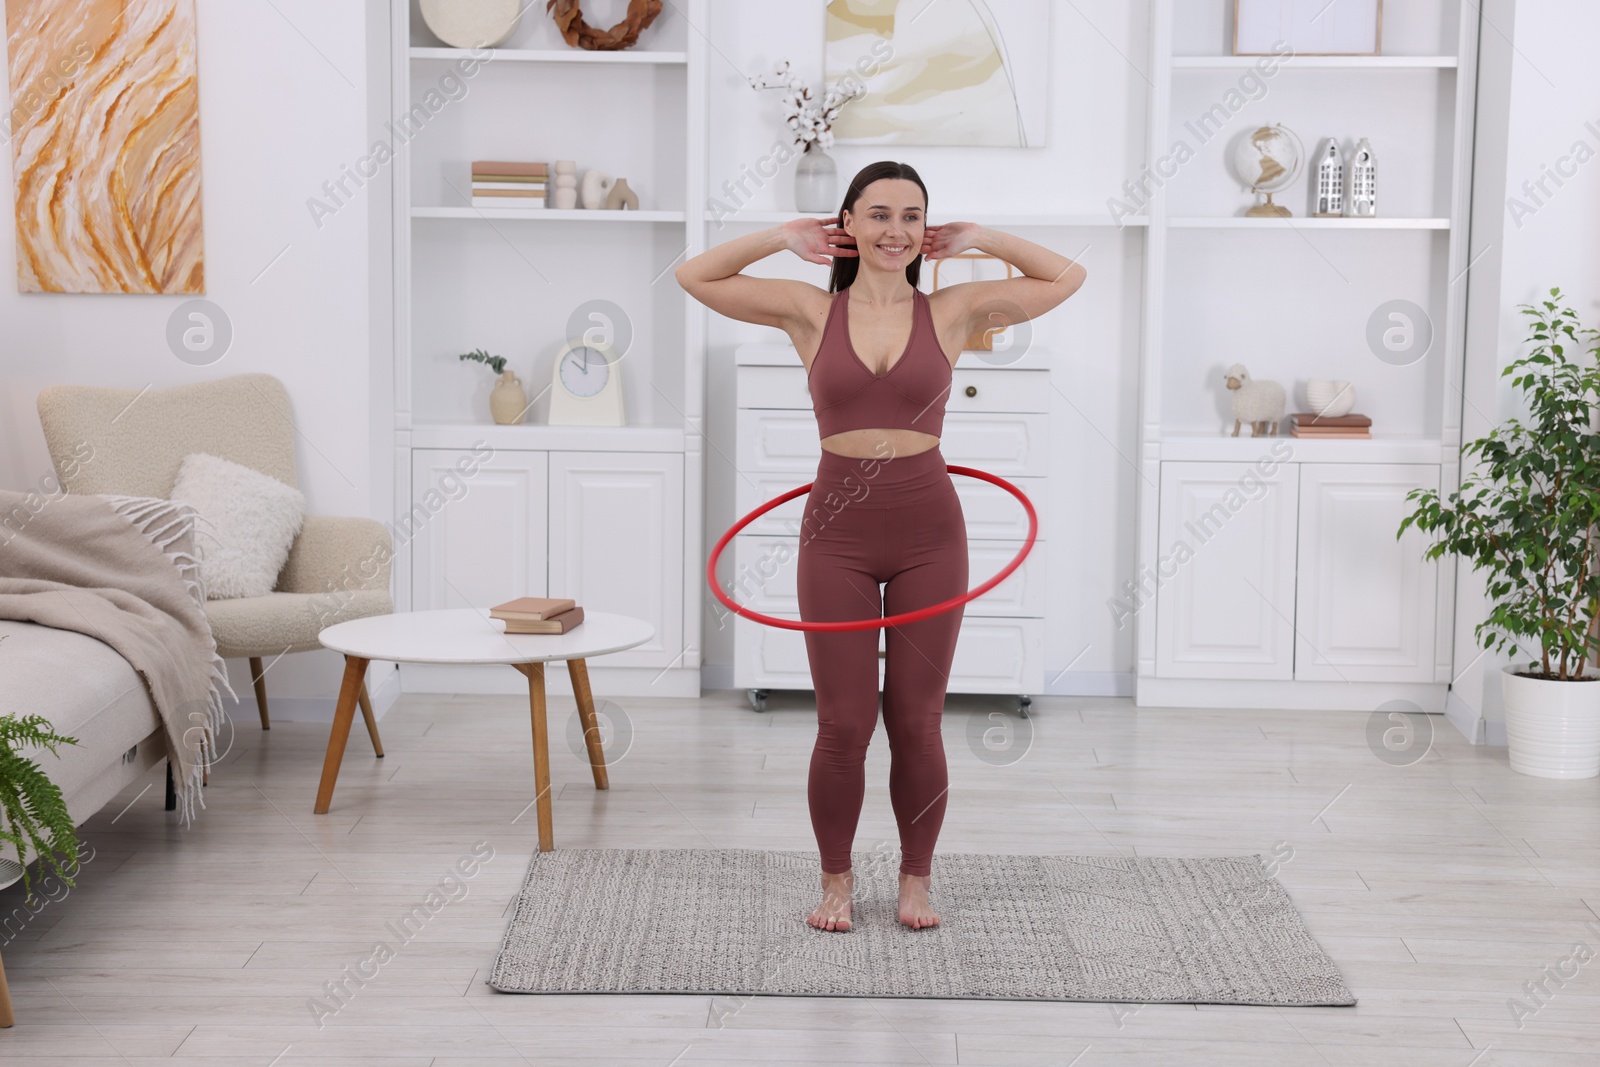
column 105, row 139
column 1311, row 27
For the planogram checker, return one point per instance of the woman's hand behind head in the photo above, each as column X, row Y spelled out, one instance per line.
column 815, row 240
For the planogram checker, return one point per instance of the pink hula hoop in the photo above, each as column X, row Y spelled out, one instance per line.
column 887, row 620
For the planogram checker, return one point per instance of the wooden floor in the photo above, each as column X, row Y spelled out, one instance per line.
column 1439, row 888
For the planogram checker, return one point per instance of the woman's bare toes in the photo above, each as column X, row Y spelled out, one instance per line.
column 834, row 911
column 915, row 910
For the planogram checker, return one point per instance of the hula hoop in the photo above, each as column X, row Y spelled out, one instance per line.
column 886, row 620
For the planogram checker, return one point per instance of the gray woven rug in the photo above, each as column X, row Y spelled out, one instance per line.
column 732, row 922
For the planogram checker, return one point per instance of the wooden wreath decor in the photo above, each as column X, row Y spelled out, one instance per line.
column 579, row 34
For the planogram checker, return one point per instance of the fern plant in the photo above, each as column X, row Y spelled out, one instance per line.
column 34, row 814
column 1528, row 518
column 496, row 363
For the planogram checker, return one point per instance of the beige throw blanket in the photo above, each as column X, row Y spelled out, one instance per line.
column 123, row 570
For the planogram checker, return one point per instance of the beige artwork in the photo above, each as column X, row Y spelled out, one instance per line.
column 105, row 135
column 941, row 72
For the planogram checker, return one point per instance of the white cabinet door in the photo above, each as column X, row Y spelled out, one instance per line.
column 1366, row 601
column 1224, row 581
column 616, row 543
column 476, row 527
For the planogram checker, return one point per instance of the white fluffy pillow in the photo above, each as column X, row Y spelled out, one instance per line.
column 248, row 522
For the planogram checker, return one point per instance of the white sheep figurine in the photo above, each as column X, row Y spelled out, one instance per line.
column 1256, row 402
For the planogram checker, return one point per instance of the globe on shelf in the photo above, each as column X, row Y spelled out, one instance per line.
column 1268, row 160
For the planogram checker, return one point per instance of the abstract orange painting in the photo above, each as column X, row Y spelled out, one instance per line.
column 105, row 143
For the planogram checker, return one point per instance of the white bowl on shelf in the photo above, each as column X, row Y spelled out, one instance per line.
column 1329, row 398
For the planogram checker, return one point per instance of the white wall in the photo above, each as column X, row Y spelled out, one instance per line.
column 1538, row 99
column 283, row 104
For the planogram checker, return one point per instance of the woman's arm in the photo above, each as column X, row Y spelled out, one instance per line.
column 713, row 277
column 1048, row 277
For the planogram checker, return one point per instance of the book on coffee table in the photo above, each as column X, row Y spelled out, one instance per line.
column 556, row 624
column 531, row 608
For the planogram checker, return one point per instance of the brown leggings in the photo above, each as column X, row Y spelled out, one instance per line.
column 897, row 521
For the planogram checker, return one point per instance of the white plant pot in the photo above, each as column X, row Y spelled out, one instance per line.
column 1552, row 728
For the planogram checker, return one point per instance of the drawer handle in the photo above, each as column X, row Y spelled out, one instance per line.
column 972, row 390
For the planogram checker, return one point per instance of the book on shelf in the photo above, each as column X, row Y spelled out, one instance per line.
column 491, row 166
column 524, row 188
column 510, row 194
column 1347, row 427
column 555, row 624
column 1330, row 435
column 504, row 181
column 1308, row 418
column 531, row 608
column 518, row 204
column 512, row 179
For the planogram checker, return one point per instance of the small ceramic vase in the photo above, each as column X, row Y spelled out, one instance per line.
column 816, row 180
column 621, row 197
column 508, row 400
column 1330, row 399
column 566, row 189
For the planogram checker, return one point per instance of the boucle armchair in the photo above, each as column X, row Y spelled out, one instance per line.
column 130, row 442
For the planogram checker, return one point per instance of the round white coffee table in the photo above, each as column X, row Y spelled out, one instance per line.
column 468, row 635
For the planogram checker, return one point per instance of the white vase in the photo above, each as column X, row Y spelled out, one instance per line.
column 816, row 180
column 1552, row 727
column 1330, row 399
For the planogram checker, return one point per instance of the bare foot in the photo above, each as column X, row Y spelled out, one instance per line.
column 915, row 911
column 834, row 911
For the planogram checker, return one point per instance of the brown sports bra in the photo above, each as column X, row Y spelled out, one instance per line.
column 910, row 395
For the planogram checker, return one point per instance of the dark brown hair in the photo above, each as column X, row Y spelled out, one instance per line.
column 845, row 267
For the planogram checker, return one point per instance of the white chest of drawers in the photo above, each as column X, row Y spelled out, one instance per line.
column 996, row 420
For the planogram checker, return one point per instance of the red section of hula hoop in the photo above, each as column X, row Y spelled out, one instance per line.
column 887, row 620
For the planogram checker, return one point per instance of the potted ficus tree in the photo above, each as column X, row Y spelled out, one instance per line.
column 1527, row 518
column 33, row 815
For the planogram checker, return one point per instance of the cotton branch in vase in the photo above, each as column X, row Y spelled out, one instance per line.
column 811, row 123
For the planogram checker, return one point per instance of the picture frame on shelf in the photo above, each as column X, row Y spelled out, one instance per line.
column 1310, row 27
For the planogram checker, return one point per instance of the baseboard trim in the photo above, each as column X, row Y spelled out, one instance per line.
column 1090, row 684
column 383, row 689
column 1468, row 721
column 1286, row 695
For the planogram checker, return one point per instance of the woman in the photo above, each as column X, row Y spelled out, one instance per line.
column 879, row 356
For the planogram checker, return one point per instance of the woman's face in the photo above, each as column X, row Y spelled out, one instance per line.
column 887, row 223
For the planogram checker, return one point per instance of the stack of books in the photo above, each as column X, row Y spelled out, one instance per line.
column 1307, row 424
column 500, row 184
column 538, row 615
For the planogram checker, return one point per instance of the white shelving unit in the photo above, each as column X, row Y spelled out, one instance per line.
column 608, row 515
column 1290, row 589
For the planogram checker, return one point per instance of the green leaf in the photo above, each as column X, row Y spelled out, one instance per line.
column 33, row 815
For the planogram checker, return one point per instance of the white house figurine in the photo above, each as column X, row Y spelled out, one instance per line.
column 1363, row 202
column 1330, row 183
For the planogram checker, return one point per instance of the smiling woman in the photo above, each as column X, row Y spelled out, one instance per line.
column 877, row 353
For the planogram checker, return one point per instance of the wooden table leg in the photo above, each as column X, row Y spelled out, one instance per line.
column 541, row 752
column 7, row 1019
column 372, row 721
column 578, row 671
column 355, row 670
